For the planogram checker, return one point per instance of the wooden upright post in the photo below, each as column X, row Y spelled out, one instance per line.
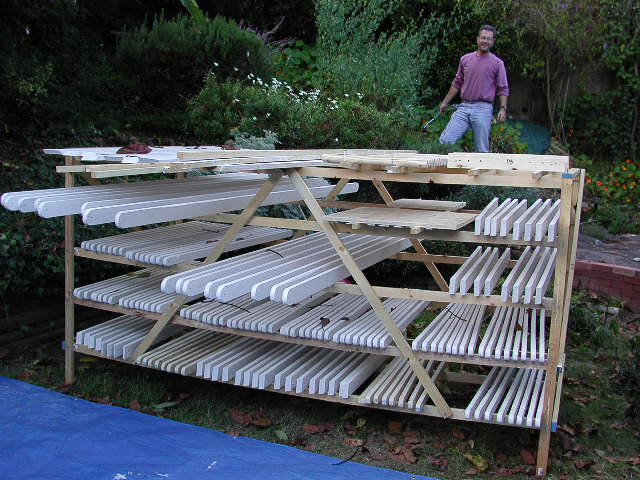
column 69, row 271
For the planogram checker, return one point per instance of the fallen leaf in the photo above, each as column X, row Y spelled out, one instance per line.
column 320, row 428
column 459, row 434
column 568, row 429
column 361, row 422
column 394, row 427
column 504, row 472
column 473, row 471
column 580, row 465
column 26, row 375
column 104, row 400
column 528, row 457
column 404, row 455
column 389, row 439
column 375, row 456
column 472, row 444
column 234, row 433
column 478, row 462
column 354, row 442
column 312, row 446
column 241, row 418
column 618, row 426
column 324, row 322
column 135, row 405
column 262, row 421
column 634, row 460
column 412, row 437
column 300, row 441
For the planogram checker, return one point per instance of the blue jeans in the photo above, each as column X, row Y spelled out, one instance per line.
column 475, row 115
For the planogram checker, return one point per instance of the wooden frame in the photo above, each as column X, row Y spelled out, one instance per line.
column 374, row 168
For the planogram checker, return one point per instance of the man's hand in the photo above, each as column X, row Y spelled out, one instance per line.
column 443, row 107
column 502, row 115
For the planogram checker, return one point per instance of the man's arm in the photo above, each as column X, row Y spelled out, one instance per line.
column 502, row 114
column 453, row 91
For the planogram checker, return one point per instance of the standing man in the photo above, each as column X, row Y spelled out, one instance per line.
column 480, row 77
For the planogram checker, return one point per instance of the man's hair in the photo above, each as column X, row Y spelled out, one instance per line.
column 488, row 28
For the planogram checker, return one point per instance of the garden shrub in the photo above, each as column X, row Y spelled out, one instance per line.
column 170, row 59
column 300, row 119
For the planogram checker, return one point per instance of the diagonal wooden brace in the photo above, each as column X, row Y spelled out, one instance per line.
column 228, row 237
column 367, row 290
column 442, row 283
column 332, row 196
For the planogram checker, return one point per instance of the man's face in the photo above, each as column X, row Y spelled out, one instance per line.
column 485, row 41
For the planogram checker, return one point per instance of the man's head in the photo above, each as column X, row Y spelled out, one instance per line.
column 486, row 38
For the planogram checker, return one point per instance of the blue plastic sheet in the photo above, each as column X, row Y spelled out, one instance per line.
column 48, row 435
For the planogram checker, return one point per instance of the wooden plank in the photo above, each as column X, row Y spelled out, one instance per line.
column 373, row 298
column 505, row 179
column 420, row 204
column 403, row 217
column 298, row 154
column 509, row 161
column 69, row 269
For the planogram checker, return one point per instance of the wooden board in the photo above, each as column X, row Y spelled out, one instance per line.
column 403, row 217
column 509, row 161
column 420, row 204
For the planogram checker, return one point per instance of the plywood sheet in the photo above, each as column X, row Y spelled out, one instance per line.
column 403, row 217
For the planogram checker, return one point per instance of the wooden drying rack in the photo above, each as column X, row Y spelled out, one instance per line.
column 546, row 172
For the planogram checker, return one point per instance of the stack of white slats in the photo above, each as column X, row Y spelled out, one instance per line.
column 454, row 331
column 320, row 322
column 513, row 396
column 182, row 242
column 287, row 273
column 481, row 271
column 181, row 354
column 515, row 334
column 538, row 222
column 213, row 312
column 529, row 279
column 119, row 337
column 368, row 330
column 398, row 386
column 139, row 290
column 144, row 203
column 262, row 363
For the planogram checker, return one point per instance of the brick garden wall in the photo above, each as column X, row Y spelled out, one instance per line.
column 609, row 280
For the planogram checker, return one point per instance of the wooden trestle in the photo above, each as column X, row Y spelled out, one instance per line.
column 522, row 368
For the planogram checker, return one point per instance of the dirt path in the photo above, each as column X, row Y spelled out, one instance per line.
column 615, row 250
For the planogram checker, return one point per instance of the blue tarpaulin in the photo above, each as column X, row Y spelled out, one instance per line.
column 48, row 435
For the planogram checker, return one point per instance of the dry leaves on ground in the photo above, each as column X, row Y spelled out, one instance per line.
column 319, row 428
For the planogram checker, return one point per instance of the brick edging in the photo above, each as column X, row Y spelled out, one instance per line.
column 611, row 280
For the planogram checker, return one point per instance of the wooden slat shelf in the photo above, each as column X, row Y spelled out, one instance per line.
column 353, row 400
column 389, row 351
column 523, row 389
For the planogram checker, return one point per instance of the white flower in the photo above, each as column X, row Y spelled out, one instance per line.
column 346, row 95
column 268, row 114
column 255, row 118
column 215, row 64
column 235, row 100
column 336, row 139
column 235, row 69
column 247, row 53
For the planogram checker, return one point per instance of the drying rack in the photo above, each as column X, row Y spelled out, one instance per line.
column 533, row 372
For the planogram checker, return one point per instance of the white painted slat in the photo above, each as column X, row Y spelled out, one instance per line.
column 498, row 216
column 529, row 226
column 519, row 224
column 180, row 211
column 542, row 225
column 532, row 281
column 480, row 219
column 454, row 283
column 507, row 221
column 469, row 277
column 519, row 284
column 481, row 278
column 494, row 275
column 501, row 415
column 514, row 274
column 545, row 278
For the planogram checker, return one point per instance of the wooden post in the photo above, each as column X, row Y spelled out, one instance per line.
column 69, row 271
column 440, row 403
column 228, row 237
column 559, row 293
column 388, row 199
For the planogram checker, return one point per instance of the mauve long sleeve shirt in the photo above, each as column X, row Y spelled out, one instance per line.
column 480, row 78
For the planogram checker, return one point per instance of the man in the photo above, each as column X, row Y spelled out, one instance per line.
column 481, row 76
